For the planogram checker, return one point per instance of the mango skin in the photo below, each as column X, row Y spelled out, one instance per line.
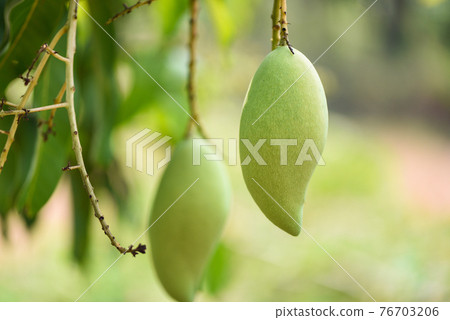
column 186, row 235
column 301, row 113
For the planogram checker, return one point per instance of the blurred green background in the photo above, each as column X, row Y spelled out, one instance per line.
column 380, row 206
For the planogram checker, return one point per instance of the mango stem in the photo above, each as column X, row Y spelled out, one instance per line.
column 276, row 27
column 284, row 26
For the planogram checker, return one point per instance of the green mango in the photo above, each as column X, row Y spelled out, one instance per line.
column 188, row 216
column 279, row 179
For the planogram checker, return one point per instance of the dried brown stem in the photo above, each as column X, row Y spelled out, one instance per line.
column 128, row 10
column 27, row 78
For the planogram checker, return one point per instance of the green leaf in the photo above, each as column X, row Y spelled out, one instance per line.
column 18, row 163
column 219, row 270
column 52, row 155
column 5, row 25
column 116, row 184
column 147, row 99
column 171, row 12
column 222, row 20
column 81, row 219
column 98, row 85
column 32, row 23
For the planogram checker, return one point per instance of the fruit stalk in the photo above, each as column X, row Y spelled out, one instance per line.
column 284, row 26
column 191, row 87
column 276, row 27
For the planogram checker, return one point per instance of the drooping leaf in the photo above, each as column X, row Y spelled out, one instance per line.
column 167, row 116
column 222, row 20
column 52, row 155
column 18, row 162
column 81, row 219
column 97, row 82
column 31, row 24
column 116, row 185
column 219, row 270
column 171, row 12
column 5, row 25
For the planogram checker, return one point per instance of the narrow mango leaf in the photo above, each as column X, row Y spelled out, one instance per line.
column 99, row 83
column 148, row 99
column 19, row 161
column 219, row 270
column 117, row 186
column 5, row 25
column 81, row 219
column 32, row 23
column 52, row 155
column 222, row 21
column 171, row 13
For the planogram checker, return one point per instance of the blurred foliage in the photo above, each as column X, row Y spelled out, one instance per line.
column 387, row 75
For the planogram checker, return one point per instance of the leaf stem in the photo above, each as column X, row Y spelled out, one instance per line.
column 276, row 27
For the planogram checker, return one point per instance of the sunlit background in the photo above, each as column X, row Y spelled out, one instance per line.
column 379, row 210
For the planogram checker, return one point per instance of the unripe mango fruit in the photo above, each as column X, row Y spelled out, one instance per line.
column 187, row 223
column 301, row 115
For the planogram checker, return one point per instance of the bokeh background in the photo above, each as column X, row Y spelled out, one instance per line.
column 380, row 206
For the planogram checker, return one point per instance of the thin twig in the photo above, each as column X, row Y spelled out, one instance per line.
column 7, row 103
column 32, row 110
column 276, row 27
column 26, row 96
column 76, row 145
column 127, row 9
column 70, row 168
column 4, row 132
column 284, row 26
